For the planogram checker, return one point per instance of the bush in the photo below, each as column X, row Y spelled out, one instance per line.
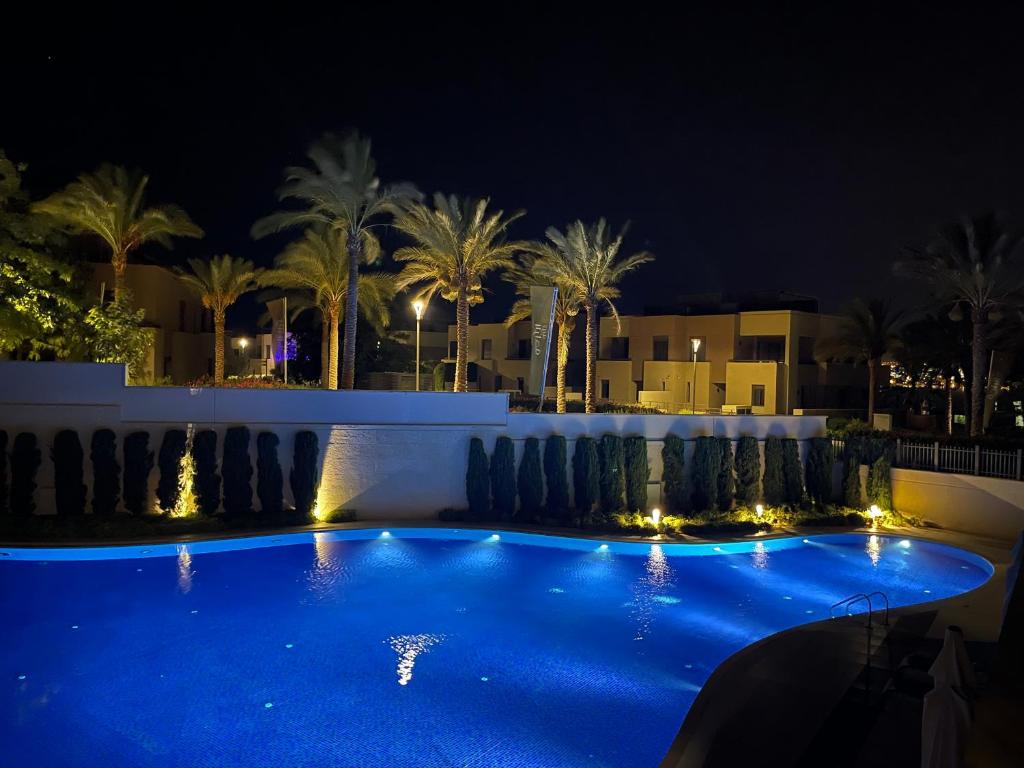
column 774, row 485
column 852, row 496
column 706, row 466
column 880, row 483
column 68, row 487
column 726, row 481
column 106, row 472
column 269, row 478
column 673, row 475
column 207, row 481
column 612, row 483
column 503, row 478
column 172, row 450
column 304, row 477
column 4, row 509
column 25, row 460
column 477, row 492
column 556, row 477
column 819, row 470
column 637, row 473
column 792, row 472
column 585, row 476
column 748, row 471
column 530, row 481
column 336, row 515
column 237, row 469
column 138, row 463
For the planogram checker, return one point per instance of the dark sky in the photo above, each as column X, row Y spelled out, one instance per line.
column 795, row 149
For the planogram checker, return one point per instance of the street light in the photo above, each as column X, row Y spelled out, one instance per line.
column 417, row 307
column 243, row 343
column 695, row 343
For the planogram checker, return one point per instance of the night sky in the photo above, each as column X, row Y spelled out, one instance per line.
column 795, row 150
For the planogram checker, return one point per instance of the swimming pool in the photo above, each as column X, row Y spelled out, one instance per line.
column 415, row 647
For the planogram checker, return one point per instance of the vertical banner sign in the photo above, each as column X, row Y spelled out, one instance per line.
column 542, row 317
column 278, row 311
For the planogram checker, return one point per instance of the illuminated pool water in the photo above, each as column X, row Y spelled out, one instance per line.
column 411, row 648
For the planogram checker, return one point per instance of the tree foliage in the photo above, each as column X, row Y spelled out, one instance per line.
column 880, row 483
column 530, row 481
column 68, row 473
column 269, row 478
column 792, row 472
column 773, row 485
column 503, row 478
column 556, row 477
column 613, row 486
column 116, row 335
column 819, row 471
column 25, row 460
column 637, row 472
column 673, row 477
column 138, row 463
column 4, row 508
column 477, row 485
column 707, row 461
column 106, row 472
column 748, row 471
column 172, row 450
column 304, row 476
column 237, row 471
column 726, row 478
column 585, row 476
column 207, row 481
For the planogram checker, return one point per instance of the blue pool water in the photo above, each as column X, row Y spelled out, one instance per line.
column 405, row 648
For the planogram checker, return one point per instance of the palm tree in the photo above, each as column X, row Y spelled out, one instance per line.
column 943, row 346
column 219, row 283
column 585, row 262
column 457, row 242
column 867, row 332
column 319, row 263
column 110, row 203
column 342, row 191
column 567, row 306
column 972, row 262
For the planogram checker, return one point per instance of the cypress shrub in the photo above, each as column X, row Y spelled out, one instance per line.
column 68, row 472
column 774, row 486
column 556, row 477
column 530, row 480
column 673, row 477
column 172, row 450
column 269, row 478
column 726, row 481
column 106, row 472
column 237, row 470
column 612, row 484
column 819, row 471
column 25, row 460
column 4, row 509
column 852, row 496
column 792, row 472
column 748, row 471
column 585, row 476
column 880, row 483
column 477, row 493
column 503, row 478
column 304, row 476
column 707, row 461
column 207, row 481
column 138, row 463
column 637, row 473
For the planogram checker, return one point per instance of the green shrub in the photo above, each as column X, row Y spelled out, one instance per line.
column 556, row 477
column 237, row 469
column 4, row 508
column 748, row 471
column 880, row 483
column 673, row 476
column 269, row 478
column 68, row 457
column 207, row 481
column 637, row 473
column 503, row 478
column 530, row 481
column 819, row 470
column 792, row 472
column 336, row 515
column 106, row 472
column 726, row 480
column 477, row 491
column 25, row 460
column 172, row 450
column 706, row 466
column 585, row 476
column 774, row 485
column 612, row 483
column 852, row 496
column 138, row 463
column 304, row 477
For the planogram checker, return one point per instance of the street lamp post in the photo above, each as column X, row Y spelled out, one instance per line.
column 417, row 307
column 695, row 343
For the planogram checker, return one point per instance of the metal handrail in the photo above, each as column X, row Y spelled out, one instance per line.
column 854, row 599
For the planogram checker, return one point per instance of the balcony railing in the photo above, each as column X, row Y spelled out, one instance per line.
column 954, row 459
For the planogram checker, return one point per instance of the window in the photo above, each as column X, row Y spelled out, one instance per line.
column 757, row 395
column 660, row 351
column 453, row 348
column 702, row 350
column 485, row 349
column 605, row 389
column 618, row 348
column 523, row 352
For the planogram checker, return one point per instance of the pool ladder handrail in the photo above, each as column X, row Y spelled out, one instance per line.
column 854, row 599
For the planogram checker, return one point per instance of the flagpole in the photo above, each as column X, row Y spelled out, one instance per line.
column 547, row 351
column 285, row 339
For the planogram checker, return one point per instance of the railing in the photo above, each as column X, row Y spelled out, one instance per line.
column 958, row 459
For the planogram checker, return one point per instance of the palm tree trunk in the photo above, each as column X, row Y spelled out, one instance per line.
column 872, row 377
column 325, row 348
column 978, row 355
column 218, row 346
column 589, row 394
column 119, row 262
column 332, row 349
column 461, row 339
column 949, row 406
column 561, row 360
column 348, row 362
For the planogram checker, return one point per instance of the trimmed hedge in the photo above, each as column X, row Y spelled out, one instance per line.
column 207, row 481
column 269, row 478
column 4, row 508
column 707, row 461
column 304, row 475
column 852, row 496
column 106, row 472
column 613, row 487
column 503, row 478
column 585, row 476
column 819, row 470
column 556, row 477
column 792, row 472
column 726, row 480
column 138, row 463
column 748, row 471
column 774, row 485
column 68, row 485
column 172, row 450
column 673, row 475
column 237, row 470
column 880, row 483
column 530, row 481
column 25, row 460
column 477, row 492
column 634, row 456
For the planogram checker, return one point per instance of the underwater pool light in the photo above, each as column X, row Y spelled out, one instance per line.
column 495, row 537
column 385, row 534
column 905, row 543
column 603, row 546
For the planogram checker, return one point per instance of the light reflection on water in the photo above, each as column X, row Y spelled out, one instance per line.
column 760, row 555
column 185, row 571
column 408, row 647
column 648, row 590
column 874, row 549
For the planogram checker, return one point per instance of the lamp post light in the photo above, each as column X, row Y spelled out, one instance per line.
column 695, row 343
column 417, row 307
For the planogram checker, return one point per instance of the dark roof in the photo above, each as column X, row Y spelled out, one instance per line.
column 731, row 303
